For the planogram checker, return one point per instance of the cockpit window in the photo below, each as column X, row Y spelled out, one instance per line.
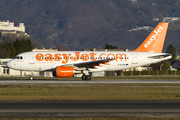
column 18, row 57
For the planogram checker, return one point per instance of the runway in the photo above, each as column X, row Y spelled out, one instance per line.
column 121, row 109
column 69, row 109
column 120, row 81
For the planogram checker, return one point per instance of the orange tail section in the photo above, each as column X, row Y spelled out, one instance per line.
column 155, row 41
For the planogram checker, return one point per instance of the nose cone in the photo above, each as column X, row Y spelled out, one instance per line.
column 9, row 64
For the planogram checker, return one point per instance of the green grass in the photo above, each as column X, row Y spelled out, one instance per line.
column 111, row 92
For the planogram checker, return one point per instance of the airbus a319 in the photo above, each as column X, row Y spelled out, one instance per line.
column 72, row 63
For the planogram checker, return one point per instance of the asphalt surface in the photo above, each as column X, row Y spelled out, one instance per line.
column 89, row 82
column 127, row 109
column 69, row 109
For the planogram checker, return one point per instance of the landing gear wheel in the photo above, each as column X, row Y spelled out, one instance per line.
column 31, row 78
column 83, row 77
column 86, row 77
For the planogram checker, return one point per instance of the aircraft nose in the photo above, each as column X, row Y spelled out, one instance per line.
column 9, row 64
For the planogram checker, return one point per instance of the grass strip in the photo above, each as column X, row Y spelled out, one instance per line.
column 88, row 93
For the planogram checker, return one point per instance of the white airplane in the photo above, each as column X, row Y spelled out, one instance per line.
column 71, row 63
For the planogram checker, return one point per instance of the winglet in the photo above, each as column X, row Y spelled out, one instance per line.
column 155, row 41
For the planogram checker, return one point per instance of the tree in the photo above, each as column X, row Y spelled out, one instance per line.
column 108, row 46
column 22, row 45
column 172, row 50
column 156, row 66
column 11, row 49
column 165, row 66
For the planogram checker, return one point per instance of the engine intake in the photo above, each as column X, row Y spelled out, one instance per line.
column 62, row 71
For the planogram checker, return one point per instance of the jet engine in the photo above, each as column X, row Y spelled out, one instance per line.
column 63, row 71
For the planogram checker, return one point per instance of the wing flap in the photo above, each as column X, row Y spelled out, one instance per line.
column 90, row 64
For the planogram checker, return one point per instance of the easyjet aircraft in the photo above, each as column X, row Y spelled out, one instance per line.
column 71, row 63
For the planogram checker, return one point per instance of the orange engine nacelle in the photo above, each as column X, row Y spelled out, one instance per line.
column 63, row 72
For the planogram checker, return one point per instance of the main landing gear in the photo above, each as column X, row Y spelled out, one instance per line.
column 86, row 77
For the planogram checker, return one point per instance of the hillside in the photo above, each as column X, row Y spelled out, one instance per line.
column 79, row 24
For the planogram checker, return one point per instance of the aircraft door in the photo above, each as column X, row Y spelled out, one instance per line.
column 31, row 58
column 135, row 58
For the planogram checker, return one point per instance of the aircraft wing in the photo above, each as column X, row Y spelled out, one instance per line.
column 93, row 63
column 90, row 64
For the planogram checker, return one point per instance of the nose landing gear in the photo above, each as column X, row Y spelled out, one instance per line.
column 31, row 78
